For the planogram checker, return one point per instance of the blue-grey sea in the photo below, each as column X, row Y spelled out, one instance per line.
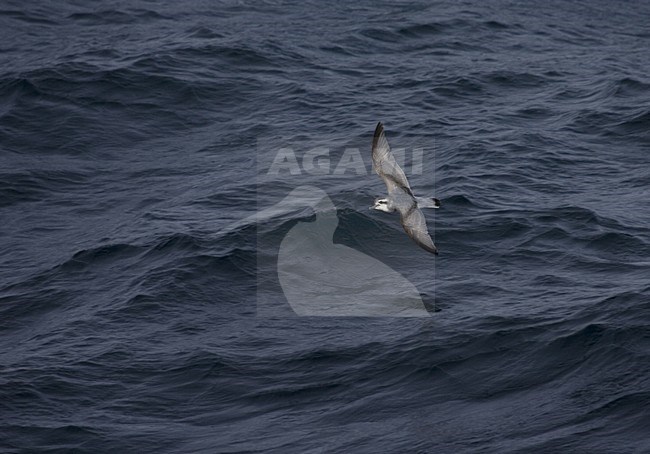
column 133, row 141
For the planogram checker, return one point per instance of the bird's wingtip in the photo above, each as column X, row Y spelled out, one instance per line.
column 378, row 132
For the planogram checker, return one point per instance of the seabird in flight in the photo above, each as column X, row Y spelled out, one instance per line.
column 400, row 197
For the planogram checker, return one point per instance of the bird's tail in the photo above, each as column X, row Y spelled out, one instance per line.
column 428, row 202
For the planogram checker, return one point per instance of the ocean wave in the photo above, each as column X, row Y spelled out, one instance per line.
column 28, row 17
column 137, row 259
column 38, row 185
column 114, row 16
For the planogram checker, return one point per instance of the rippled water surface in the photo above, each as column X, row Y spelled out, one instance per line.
column 133, row 141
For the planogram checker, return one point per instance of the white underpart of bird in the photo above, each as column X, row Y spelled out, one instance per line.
column 400, row 197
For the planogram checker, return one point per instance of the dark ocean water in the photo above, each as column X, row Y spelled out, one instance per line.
column 131, row 140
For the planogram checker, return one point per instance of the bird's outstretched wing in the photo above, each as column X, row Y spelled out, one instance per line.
column 385, row 165
column 399, row 191
column 415, row 226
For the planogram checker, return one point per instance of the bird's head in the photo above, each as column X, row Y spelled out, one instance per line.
column 381, row 205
